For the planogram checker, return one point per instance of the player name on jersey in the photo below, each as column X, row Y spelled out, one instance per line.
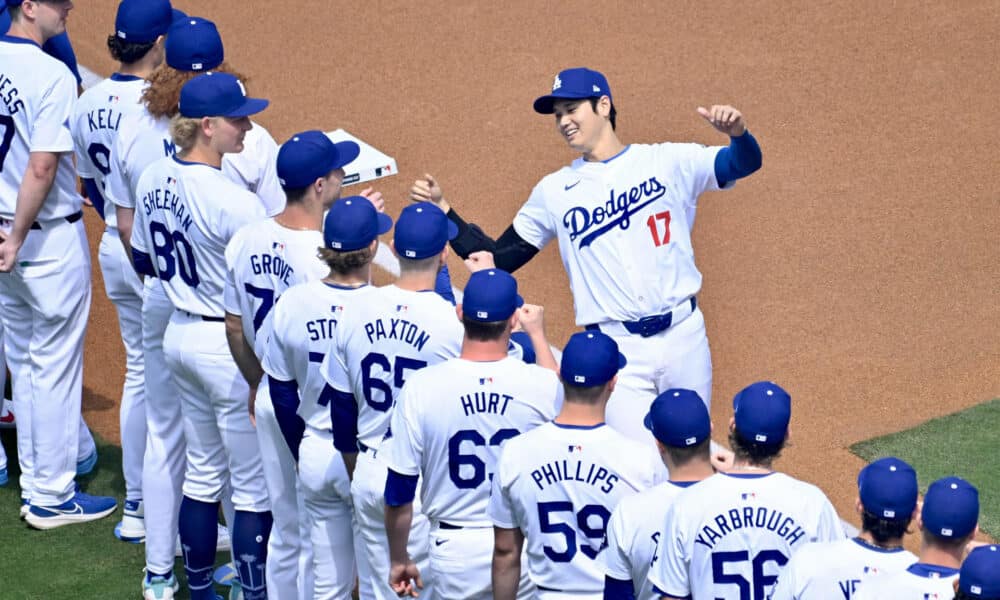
column 271, row 264
column 579, row 220
column 485, row 402
column 322, row 329
column 103, row 118
column 168, row 201
column 755, row 517
column 397, row 329
column 575, row 470
column 9, row 94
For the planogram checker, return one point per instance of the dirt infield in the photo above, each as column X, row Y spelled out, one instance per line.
column 856, row 268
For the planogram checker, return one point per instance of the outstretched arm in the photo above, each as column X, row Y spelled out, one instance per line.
column 742, row 157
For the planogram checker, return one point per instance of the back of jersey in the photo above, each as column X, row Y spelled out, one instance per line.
column 141, row 141
column 729, row 536
column 559, row 484
column 262, row 261
column 381, row 343
column 450, row 422
column 99, row 114
column 837, row 569
column 37, row 95
column 185, row 216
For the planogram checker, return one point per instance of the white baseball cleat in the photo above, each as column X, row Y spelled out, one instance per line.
column 6, row 415
column 132, row 527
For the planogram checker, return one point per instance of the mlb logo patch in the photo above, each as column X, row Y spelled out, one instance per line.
column 410, row 253
column 171, row 181
column 889, row 514
column 485, row 380
column 748, row 496
column 760, row 437
column 931, row 596
column 946, row 532
column 277, row 246
column 579, row 379
column 871, row 570
column 335, row 308
column 336, row 245
column 575, row 448
column 113, row 99
column 691, row 441
column 482, row 314
column 975, row 589
column 402, row 308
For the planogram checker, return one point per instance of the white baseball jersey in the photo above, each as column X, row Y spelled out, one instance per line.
column 634, row 532
column 919, row 581
column 729, row 536
column 450, row 422
column 559, row 484
column 186, row 213
column 262, row 261
column 37, row 95
column 624, row 228
column 99, row 113
column 300, row 334
column 378, row 346
column 838, row 569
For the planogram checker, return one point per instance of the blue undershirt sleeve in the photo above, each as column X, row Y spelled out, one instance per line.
column 285, row 398
column 344, row 415
column 741, row 158
column 60, row 48
column 400, row 489
column 143, row 263
column 618, row 589
column 95, row 196
column 442, row 285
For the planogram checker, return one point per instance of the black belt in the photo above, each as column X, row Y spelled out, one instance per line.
column 648, row 326
column 73, row 218
column 363, row 448
column 542, row 588
column 444, row 525
column 205, row 318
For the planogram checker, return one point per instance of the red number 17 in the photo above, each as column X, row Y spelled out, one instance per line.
column 651, row 223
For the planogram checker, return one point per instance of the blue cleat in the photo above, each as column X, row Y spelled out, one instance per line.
column 81, row 508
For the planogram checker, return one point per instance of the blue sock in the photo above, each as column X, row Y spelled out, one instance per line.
column 250, row 533
column 150, row 575
column 199, row 531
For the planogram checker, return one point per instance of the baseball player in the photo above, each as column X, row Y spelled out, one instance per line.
column 887, row 499
column 44, row 267
column 376, row 347
column 189, row 211
column 730, row 535
column 137, row 45
column 557, row 485
column 263, row 260
column 192, row 46
column 979, row 577
column 623, row 216
column 682, row 427
column 449, row 424
column 949, row 518
column 300, row 336
column 58, row 47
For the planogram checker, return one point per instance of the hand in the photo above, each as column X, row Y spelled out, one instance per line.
column 251, row 405
column 722, row 459
column 480, row 261
column 375, row 198
column 404, row 578
column 531, row 319
column 724, row 118
column 8, row 253
column 428, row 190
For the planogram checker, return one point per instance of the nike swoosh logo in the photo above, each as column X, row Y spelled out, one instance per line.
column 439, row 542
column 76, row 510
column 569, row 187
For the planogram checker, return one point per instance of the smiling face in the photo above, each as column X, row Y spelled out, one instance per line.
column 580, row 124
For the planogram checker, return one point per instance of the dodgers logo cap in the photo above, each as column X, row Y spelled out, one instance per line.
column 218, row 95
column 763, row 411
column 353, row 223
column 490, row 296
column 590, row 358
column 309, row 155
column 679, row 418
column 951, row 508
column 573, row 84
column 422, row 230
column 142, row 21
column 194, row 44
column 888, row 488
column 980, row 573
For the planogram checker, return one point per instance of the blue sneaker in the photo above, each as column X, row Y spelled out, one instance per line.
column 79, row 509
column 159, row 587
column 85, row 466
column 3, row 477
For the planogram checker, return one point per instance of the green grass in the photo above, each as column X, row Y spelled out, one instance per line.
column 966, row 444
column 74, row 562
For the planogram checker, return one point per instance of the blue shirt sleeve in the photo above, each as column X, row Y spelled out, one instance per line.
column 60, row 48
column 400, row 489
column 344, row 415
column 618, row 589
column 95, row 196
column 741, row 158
column 442, row 285
column 285, row 398
column 143, row 263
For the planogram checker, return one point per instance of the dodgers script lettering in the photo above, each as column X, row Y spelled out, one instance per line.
column 617, row 211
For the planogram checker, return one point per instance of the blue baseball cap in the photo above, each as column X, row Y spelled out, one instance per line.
column 142, row 21
column 422, row 230
column 763, row 411
column 590, row 358
column 573, row 84
column 353, row 223
column 888, row 488
column 490, row 296
column 679, row 418
column 194, row 44
column 218, row 95
column 309, row 155
column 980, row 573
column 951, row 508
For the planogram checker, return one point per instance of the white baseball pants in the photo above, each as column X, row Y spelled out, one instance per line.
column 461, row 563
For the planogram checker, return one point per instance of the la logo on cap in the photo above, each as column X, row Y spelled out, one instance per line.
column 243, row 90
column 556, row 83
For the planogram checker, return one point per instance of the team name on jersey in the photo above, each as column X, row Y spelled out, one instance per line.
column 616, row 212
column 574, row 470
column 397, row 329
column 270, row 264
column 485, row 402
column 9, row 93
column 166, row 200
column 756, row 517
column 103, row 118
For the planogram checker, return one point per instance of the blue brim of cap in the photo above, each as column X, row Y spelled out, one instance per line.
column 251, row 106
column 346, row 153
column 384, row 223
column 519, row 302
column 648, row 421
column 546, row 104
column 621, row 361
